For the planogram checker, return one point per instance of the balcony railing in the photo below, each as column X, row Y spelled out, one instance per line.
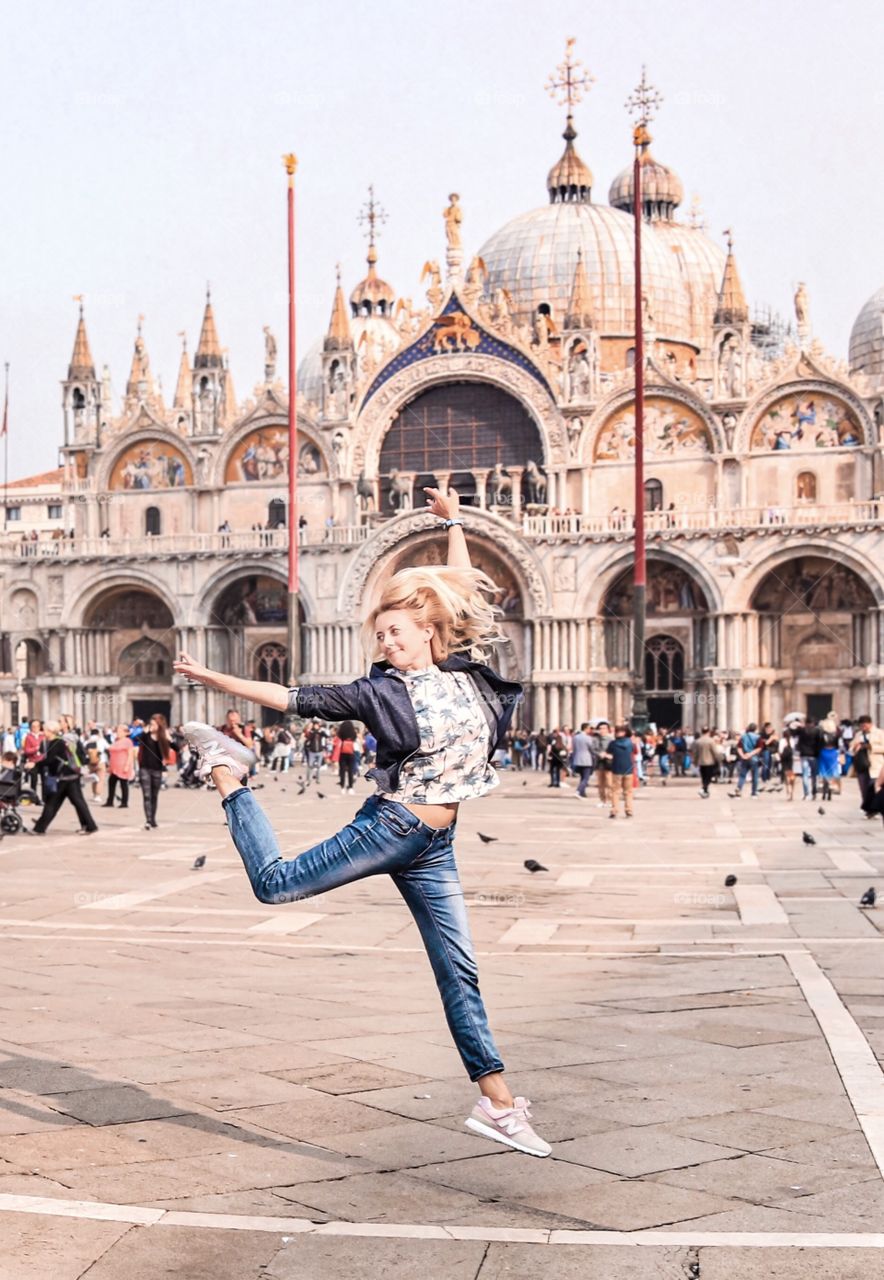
column 47, row 547
column 701, row 519
column 535, row 527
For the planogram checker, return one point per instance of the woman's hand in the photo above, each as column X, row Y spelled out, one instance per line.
column 447, row 506
column 187, row 666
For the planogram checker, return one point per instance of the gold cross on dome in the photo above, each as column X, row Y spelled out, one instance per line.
column 372, row 214
column 643, row 102
column 573, row 79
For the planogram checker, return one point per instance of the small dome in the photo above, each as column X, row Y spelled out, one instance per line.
column 534, row 257
column 372, row 296
column 867, row 338
column 570, row 179
column 310, row 374
column 662, row 191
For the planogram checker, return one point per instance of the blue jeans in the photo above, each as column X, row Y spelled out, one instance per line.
column 752, row 765
column 585, row 772
column 810, row 766
column 383, row 837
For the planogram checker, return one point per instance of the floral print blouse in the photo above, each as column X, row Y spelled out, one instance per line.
column 451, row 763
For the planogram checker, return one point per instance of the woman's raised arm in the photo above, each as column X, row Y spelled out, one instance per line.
column 447, row 506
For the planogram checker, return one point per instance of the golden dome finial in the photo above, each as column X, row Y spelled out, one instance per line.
column 573, row 79
column 642, row 104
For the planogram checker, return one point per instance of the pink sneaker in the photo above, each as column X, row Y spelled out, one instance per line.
column 508, row 1125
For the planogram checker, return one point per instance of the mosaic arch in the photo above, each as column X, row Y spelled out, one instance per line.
column 812, row 584
column 263, row 454
column 670, row 590
column 151, row 465
column 804, row 422
column 672, row 430
column 255, row 599
column 128, row 608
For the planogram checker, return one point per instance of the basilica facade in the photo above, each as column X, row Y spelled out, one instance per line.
column 512, row 379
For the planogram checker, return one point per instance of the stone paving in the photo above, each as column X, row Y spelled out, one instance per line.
column 192, row 1082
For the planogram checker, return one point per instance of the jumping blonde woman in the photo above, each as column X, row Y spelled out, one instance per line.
column 438, row 713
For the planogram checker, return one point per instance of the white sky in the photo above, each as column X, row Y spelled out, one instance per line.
column 142, row 150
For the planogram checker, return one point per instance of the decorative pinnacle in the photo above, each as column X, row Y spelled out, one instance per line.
column 374, row 215
column 291, row 163
column 573, row 79
column 78, row 297
column 730, row 238
column 642, row 104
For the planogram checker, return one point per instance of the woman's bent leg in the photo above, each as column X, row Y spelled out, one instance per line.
column 431, row 888
column 365, row 847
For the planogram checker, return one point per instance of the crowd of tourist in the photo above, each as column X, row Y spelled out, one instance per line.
column 805, row 759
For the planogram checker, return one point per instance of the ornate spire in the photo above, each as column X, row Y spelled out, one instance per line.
column 338, row 326
column 732, row 307
column 372, row 296
column 184, row 386
column 208, row 353
column 82, row 367
column 140, row 384
column 228, row 405
column 569, row 180
column 579, row 313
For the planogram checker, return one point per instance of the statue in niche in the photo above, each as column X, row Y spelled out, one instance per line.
column 580, row 372
column 574, row 426
column 269, row 355
column 207, row 407
column 203, row 462
column 801, row 307
column 340, row 395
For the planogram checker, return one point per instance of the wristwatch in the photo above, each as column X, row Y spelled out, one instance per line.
column 446, row 524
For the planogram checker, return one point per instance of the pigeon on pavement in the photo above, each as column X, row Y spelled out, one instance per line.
column 730, row 881
column 531, row 865
column 869, row 897
column 486, row 839
column 199, row 862
column 807, row 837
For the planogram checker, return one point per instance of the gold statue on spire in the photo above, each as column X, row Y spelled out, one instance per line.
column 573, row 79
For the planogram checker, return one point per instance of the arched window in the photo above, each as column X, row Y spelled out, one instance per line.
column 276, row 514
column 653, row 495
column 805, row 487
column 630, row 357
column 79, row 400
column 152, row 521
column 664, row 665
column 145, row 659
column 270, row 663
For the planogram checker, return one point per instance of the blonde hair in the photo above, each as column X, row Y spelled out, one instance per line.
column 452, row 600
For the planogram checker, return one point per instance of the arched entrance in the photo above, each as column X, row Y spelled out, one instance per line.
column 817, row 634
column 128, row 632
column 247, row 632
column 679, row 640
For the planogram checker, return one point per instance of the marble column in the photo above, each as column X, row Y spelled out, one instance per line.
column 481, row 478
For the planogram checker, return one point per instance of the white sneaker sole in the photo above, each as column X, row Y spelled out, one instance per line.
column 487, row 1132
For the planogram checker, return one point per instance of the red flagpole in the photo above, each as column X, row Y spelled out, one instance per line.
column 294, row 629
column 639, row 696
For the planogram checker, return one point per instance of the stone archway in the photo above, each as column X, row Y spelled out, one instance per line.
column 817, row 636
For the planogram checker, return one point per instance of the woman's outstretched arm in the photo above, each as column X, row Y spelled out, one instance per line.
column 261, row 691
column 448, row 507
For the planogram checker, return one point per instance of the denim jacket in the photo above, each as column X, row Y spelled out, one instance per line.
column 381, row 702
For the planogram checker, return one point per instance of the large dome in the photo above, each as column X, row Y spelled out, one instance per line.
column 535, row 255
column 867, row 338
column 700, row 262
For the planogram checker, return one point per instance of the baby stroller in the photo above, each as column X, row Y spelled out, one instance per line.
column 10, row 798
